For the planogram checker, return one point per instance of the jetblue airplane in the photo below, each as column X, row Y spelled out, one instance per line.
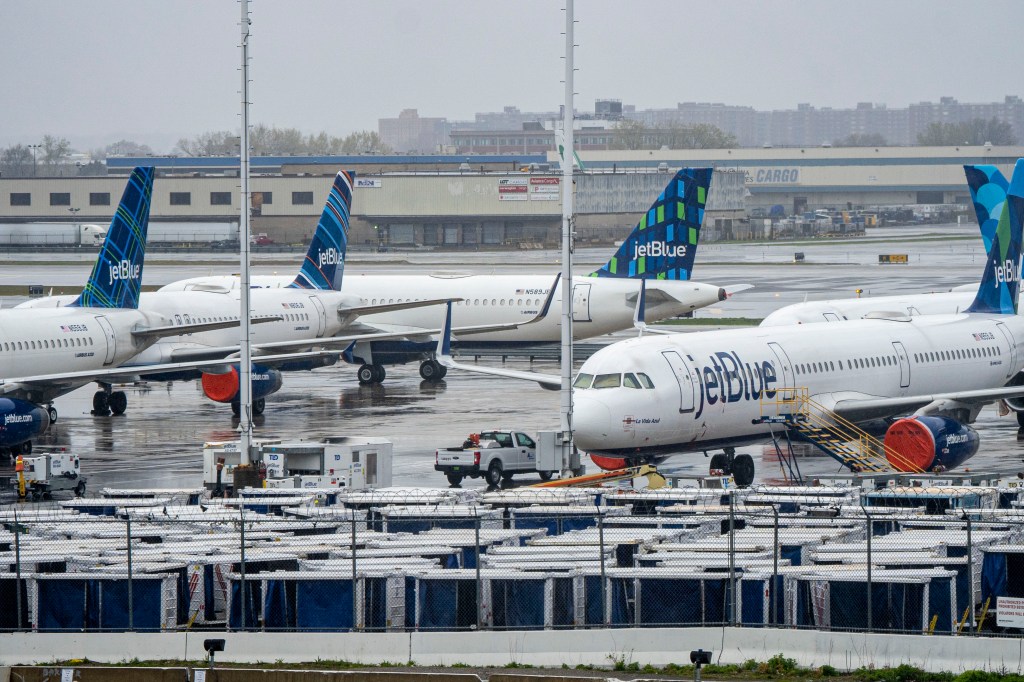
column 660, row 249
column 310, row 312
column 988, row 193
column 646, row 398
column 46, row 353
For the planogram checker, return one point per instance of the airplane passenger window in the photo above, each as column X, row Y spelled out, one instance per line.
column 840, row 365
column 630, row 381
column 494, row 301
column 831, row 366
column 520, row 301
column 502, row 301
column 19, row 345
column 645, row 380
column 607, row 381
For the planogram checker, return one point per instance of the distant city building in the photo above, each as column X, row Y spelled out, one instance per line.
column 512, row 130
column 412, row 133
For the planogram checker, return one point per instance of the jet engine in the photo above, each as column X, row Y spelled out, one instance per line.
column 929, row 444
column 21, row 421
column 224, row 388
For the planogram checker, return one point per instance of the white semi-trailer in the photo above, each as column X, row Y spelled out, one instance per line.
column 52, row 234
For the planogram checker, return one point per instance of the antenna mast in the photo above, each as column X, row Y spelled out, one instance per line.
column 245, row 366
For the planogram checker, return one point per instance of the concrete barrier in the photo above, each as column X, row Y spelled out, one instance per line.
column 599, row 647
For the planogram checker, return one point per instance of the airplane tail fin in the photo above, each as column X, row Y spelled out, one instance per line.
column 325, row 260
column 1000, row 283
column 116, row 278
column 988, row 193
column 664, row 242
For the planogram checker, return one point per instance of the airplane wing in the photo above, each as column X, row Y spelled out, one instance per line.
column 444, row 356
column 181, row 329
column 859, row 409
column 119, row 374
column 388, row 307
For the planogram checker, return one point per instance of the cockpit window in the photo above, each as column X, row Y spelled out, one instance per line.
column 583, row 380
column 645, row 380
column 630, row 381
column 607, row 381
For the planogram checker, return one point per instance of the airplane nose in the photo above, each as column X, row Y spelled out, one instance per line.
column 591, row 421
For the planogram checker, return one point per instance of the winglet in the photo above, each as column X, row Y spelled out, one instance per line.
column 116, row 278
column 325, row 260
column 988, row 194
column 1000, row 283
column 663, row 244
column 444, row 340
column 641, row 306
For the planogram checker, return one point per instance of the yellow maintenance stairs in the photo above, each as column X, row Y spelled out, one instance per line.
column 837, row 437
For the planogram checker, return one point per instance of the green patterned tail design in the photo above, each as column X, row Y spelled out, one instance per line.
column 664, row 242
column 116, row 278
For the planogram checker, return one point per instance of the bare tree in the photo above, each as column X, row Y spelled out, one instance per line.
column 55, row 150
column 16, row 162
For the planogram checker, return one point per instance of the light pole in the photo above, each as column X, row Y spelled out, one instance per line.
column 34, row 147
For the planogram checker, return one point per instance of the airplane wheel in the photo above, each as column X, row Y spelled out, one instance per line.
column 442, row 371
column 21, row 449
column 258, row 406
column 428, row 370
column 454, row 479
column 1020, row 419
column 719, row 465
column 494, row 474
column 52, row 412
column 379, row 374
column 100, row 404
column 366, row 374
column 118, row 402
column 236, row 408
column 743, row 470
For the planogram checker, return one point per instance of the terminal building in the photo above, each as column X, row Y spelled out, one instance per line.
column 446, row 201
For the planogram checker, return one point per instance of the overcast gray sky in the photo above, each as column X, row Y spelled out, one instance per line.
column 158, row 70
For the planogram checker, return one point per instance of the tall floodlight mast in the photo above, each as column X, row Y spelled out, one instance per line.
column 245, row 367
column 567, row 234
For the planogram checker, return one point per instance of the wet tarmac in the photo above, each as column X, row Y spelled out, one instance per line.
column 158, row 442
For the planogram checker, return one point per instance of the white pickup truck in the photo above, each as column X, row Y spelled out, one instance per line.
column 495, row 455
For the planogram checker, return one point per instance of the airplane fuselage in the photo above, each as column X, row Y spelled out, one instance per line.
column 834, row 310
column 59, row 340
column 601, row 305
column 708, row 388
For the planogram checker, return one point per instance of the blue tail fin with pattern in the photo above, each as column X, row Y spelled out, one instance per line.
column 988, row 193
column 664, row 242
column 1000, row 283
column 325, row 260
column 116, row 278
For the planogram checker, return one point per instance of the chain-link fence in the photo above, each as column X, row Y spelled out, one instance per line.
column 913, row 560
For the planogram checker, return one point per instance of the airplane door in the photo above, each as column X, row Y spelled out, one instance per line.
column 901, row 353
column 581, row 303
column 788, row 379
column 831, row 317
column 688, row 384
column 1011, row 366
column 321, row 316
column 109, row 338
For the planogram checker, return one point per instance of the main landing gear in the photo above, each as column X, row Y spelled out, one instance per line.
column 106, row 401
column 432, row 370
column 51, row 412
column 371, row 374
column 258, row 406
column 741, row 467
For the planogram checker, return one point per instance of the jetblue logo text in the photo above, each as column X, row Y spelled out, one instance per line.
column 658, row 249
column 1007, row 272
column 729, row 380
column 16, row 419
column 124, row 270
column 329, row 257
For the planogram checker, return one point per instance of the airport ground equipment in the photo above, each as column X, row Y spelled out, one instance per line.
column 496, row 455
column 643, row 476
column 351, row 462
column 48, row 472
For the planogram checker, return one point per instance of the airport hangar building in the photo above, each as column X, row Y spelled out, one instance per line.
column 514, row 201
